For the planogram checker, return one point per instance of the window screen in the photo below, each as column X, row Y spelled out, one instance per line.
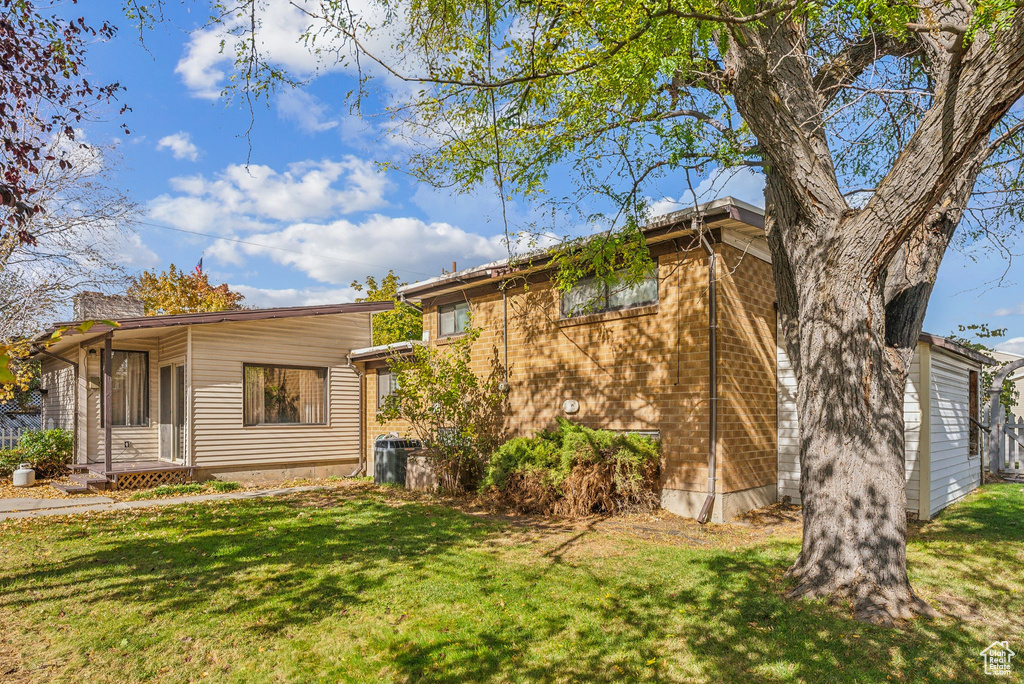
column 387, row 383
column 453, row 319
column 276, row 395
column 129, row 388
column 594, row 295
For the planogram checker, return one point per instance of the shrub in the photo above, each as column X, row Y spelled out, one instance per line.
column 575, row 471
column 222, row 485
column 457, row 415
column 49, row 453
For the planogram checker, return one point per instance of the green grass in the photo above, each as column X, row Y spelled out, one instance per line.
column 364, row 584
column 213, row 486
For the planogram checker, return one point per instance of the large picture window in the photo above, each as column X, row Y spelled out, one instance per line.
column 284, row 395
column 453, row 319
column 129, row 389
column 594, row 295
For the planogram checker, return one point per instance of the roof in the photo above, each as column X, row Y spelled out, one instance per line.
column 953, row 347
column 144, row 322
column 383, row 350
column 724, row 207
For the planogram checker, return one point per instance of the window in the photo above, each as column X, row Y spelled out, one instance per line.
column 284, row 395
column 594, row 295
column 387, row 383
column 453, row 319
column 129, row 389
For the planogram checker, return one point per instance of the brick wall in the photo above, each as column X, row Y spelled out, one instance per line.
column 747, row 424
column 647, row 369
column 371, row 426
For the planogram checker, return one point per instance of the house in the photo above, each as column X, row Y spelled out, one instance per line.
column 691, row 356
column 233, row 394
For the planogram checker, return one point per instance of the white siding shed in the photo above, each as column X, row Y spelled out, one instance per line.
column 942, row 467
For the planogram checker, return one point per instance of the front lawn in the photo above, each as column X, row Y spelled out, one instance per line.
column 367, row 584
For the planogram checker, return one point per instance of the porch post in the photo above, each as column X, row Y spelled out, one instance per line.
column 108, row 404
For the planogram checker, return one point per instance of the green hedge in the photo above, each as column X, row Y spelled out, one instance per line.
column 548, row 472
column 49, row 453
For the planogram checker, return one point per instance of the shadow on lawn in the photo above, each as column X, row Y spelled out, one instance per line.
column 651, row 611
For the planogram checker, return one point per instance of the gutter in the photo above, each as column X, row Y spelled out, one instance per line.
column 709, row 502
column 362, row 415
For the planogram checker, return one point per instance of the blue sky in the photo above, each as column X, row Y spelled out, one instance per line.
column 312, row 212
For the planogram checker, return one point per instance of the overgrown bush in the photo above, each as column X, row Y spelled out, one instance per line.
column 49, row 452
column 575, row 471
column 457, row 414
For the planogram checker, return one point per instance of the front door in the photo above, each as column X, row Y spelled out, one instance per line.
column 172, row 412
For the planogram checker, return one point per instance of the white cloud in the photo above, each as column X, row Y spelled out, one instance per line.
column 342, row 251
column 281, row 26
column 180, row 144
column 741, row 183
column 1014, row 345
column 1015, row 310
column 241, row 198
column 305, row 110
column 266, row 297
column 132, row 252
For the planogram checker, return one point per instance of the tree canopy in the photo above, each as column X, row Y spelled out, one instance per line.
column 175, row 291
column 404, row 322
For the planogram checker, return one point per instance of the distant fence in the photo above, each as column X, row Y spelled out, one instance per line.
column 1013, row 451
column 9, row 437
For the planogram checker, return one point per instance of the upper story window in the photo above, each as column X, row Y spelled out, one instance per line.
column 453, row 319
column 275, row 395
column 594, row 295
column 129, row 389
column 387, row 383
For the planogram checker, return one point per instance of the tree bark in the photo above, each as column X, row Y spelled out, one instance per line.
column 853, row 285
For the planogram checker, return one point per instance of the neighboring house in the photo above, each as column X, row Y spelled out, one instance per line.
column 637, row 359
column 236, row 394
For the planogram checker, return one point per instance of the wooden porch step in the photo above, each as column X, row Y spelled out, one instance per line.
column 90, row 480
column 78, row 468
column 74, row 488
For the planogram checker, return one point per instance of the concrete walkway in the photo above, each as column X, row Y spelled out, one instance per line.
column 11, row 509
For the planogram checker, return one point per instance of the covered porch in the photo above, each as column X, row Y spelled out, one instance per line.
column 129, row 407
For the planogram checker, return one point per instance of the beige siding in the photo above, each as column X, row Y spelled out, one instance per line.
column 789, row 430
column 143, row 440
column 58, row 381
column 218, row 351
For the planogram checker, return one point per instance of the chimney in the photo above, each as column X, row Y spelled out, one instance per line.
column 91, row 306
column 454, row 267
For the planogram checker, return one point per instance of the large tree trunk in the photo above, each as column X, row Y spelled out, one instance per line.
column 850, row 386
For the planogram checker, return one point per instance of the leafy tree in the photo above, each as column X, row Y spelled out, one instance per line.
column 457, row 414
column 971, row 336
column 404, row 322
column 175, row 291
column 879, row 128
column 44, row 93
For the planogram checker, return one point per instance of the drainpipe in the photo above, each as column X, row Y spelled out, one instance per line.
column 504, row 334
column 362, row 415
column 709, row 502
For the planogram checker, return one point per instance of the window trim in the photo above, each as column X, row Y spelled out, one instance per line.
column 146, row 403
column 606, row 296
column 392, row 382
column 327, row 394
column 454, row 307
